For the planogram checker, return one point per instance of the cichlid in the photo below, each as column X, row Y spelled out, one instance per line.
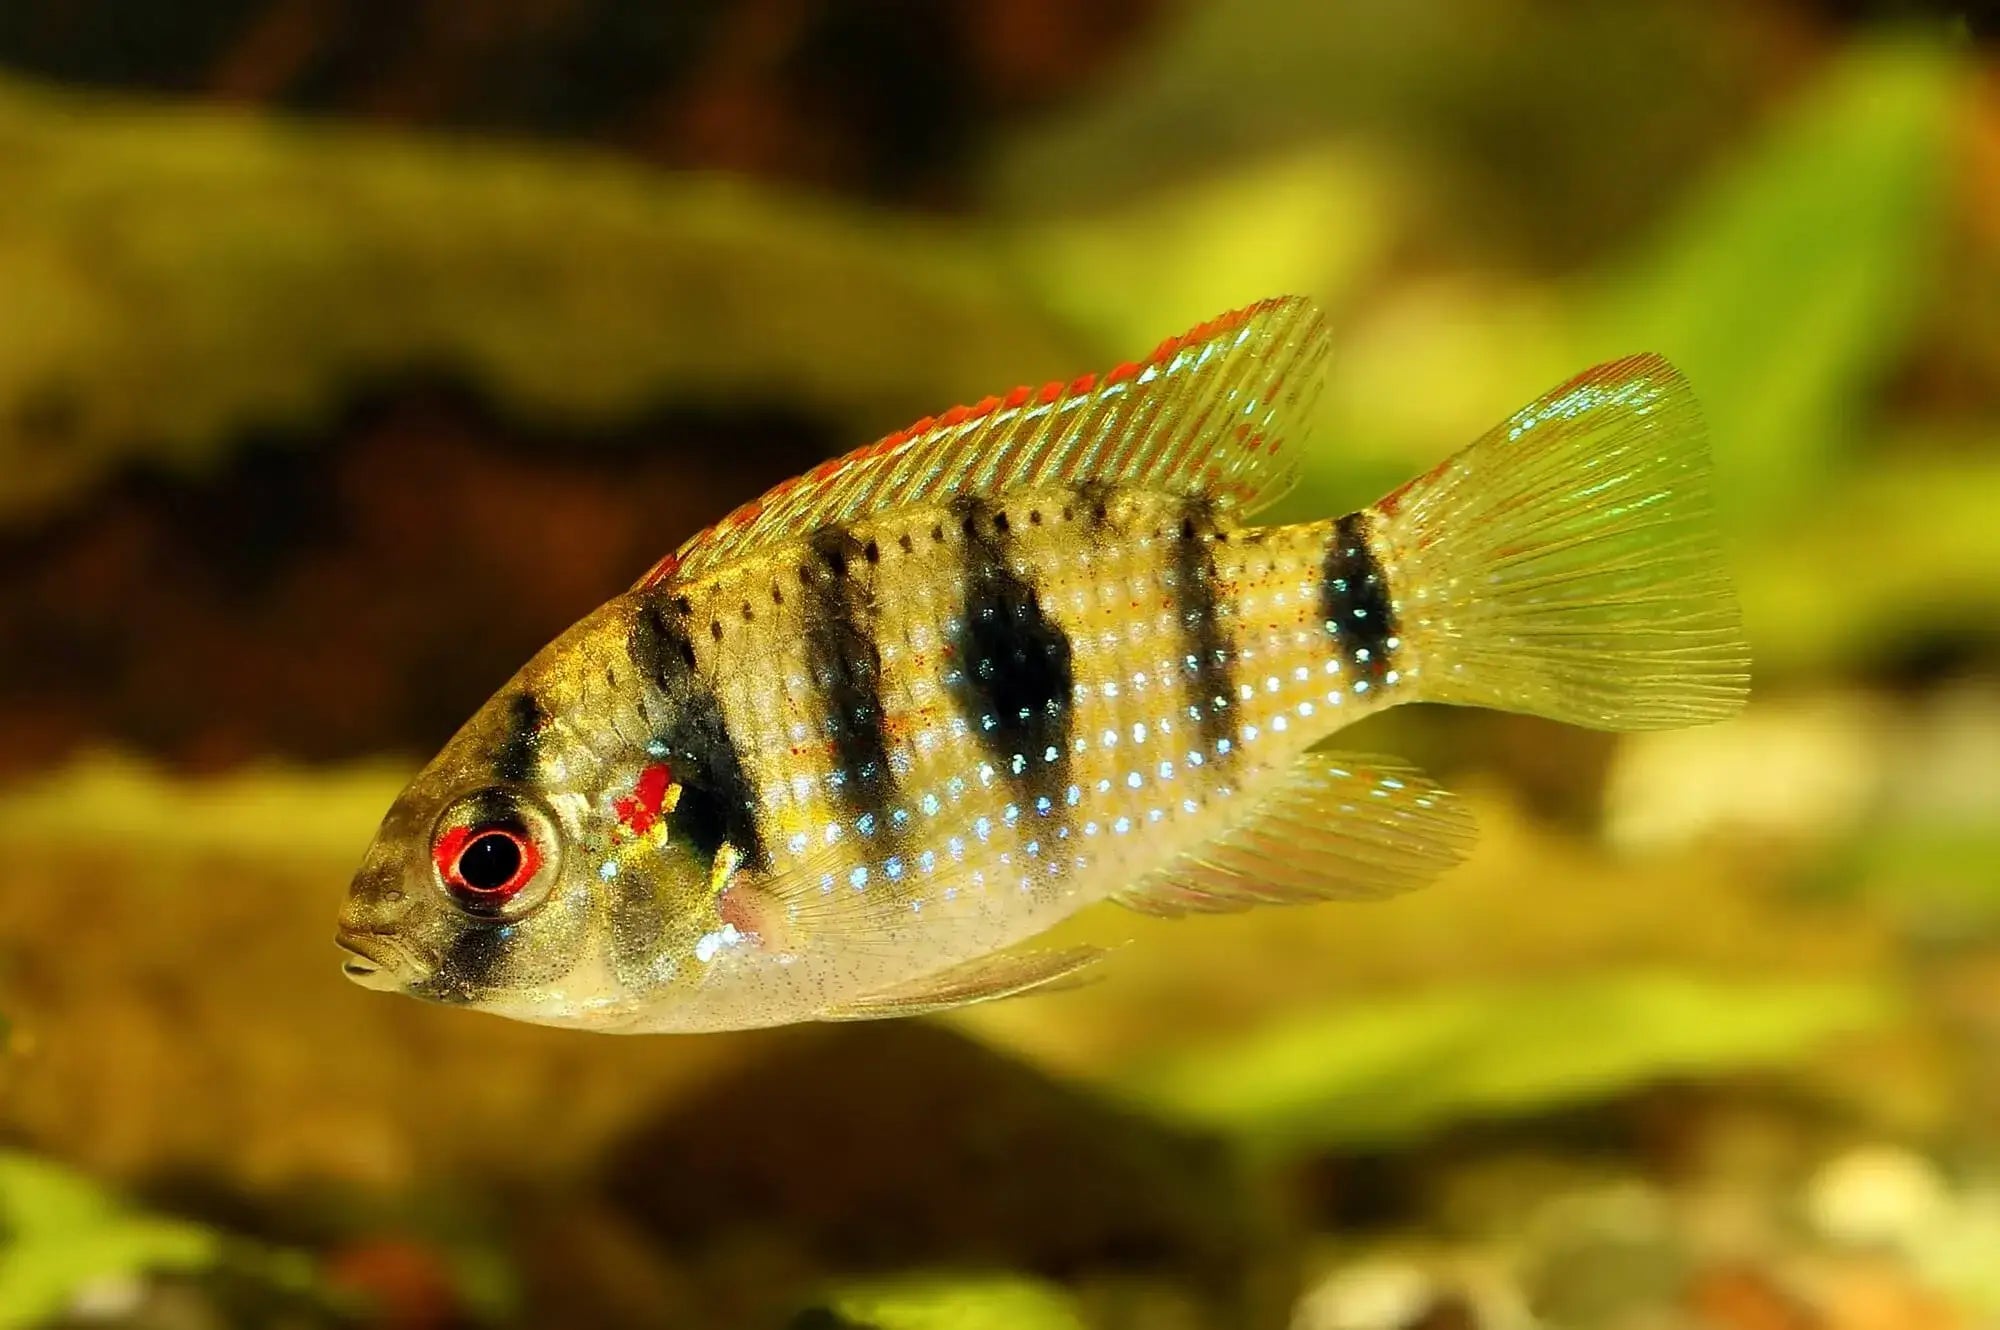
column 842, row 754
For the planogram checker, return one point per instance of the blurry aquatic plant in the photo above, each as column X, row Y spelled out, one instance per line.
column 945, row 1302
column 61, row 1237
column 1397, row 1069
column 175, row 277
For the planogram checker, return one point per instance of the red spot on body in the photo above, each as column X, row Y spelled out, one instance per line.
column 1120, row 373
column 1049, row 393
column 1082, row 384
column 638, row 811
column 1020, row 396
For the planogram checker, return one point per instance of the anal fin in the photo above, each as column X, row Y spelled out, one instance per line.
column 1002, row 975
column 1339, row 827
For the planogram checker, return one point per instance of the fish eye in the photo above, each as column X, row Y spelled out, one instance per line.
column 494, row 852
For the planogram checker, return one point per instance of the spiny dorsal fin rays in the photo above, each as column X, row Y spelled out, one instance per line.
column 1002, row 975
column 1339, row 827
column 1209, row 412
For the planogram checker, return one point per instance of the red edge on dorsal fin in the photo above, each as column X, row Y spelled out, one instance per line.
column 960, row 417
column 668, row 565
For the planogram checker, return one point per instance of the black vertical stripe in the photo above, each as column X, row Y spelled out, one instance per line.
column 717, row 801
column 1016, row 680
column 473, row 967
column 846, row 666
column 1206, row 656
column 514, row 758
column 1354, row 598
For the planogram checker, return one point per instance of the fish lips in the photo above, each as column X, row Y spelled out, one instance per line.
column 371, row 960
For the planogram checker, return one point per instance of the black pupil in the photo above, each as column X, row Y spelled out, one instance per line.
column 490, row 862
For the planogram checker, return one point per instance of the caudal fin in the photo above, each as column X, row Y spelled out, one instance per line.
column 1567, row 565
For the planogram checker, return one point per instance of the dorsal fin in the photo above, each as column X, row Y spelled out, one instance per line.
column 1211, row 412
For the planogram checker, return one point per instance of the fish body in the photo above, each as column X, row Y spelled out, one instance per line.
column 844, row 754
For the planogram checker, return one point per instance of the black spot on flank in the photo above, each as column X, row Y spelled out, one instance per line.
column 1210, row 664
column 904, row 542
column 846, row 665
column 777, row 594
column 718, row 802
column 1094, row 497
column 715, row 629
column 514, row 760
column 683, row 605
column 1016, row 678
column 872, row 552
column 747, row 615
column 1354, row 598
column 937, row 532
column 1000, row 522
column 1034, row 517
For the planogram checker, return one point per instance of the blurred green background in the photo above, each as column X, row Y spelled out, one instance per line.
column 349, row 351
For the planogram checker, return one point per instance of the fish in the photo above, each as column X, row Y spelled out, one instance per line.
column 850, row 752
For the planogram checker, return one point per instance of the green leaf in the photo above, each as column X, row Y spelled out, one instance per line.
column 1915, row 543
column 277, row 812
column 61, row 1233
column 1395, row 1069
column 945, row 1302
column 1144, row 269
column 1786, row 289
column 171, row 275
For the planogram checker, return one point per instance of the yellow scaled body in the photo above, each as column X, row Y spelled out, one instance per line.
column 855, row 746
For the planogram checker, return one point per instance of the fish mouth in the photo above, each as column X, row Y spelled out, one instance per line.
column 369, row 959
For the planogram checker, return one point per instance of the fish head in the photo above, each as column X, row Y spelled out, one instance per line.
column 502, row 878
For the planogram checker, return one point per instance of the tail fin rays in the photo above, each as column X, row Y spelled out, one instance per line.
column 1566, row 564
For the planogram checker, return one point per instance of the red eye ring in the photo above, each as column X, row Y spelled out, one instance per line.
column 485, row 867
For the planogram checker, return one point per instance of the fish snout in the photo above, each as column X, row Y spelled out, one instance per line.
column 369, row 960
